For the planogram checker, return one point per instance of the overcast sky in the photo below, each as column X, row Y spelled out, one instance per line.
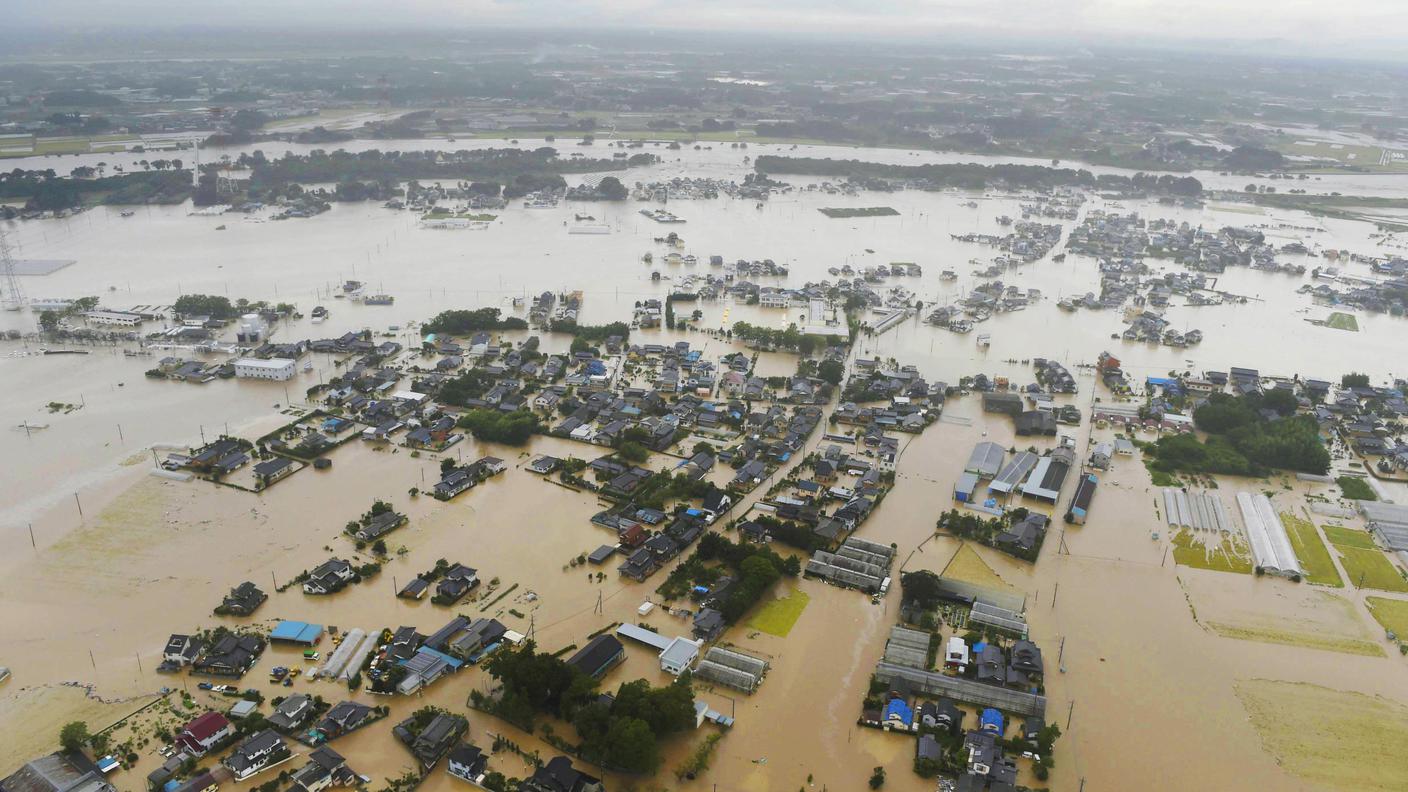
column 1320, row 26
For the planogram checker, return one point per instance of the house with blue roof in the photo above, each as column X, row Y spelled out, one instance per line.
column 297, row 632
column 991, row 721
column 898, row 716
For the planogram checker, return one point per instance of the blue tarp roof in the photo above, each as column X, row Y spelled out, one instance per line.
column 992, row 720
column 900, row 708
column 296, row 632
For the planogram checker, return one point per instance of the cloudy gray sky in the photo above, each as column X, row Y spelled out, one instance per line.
column 1314, row 25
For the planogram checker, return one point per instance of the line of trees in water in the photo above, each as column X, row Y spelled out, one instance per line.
column 973, row 176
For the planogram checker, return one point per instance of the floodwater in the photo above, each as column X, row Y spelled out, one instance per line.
column 119, row 559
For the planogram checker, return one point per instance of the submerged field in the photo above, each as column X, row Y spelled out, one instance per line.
column 1335, row 739
column 1279, row 612
column 1225, row 556
column 969, row 567
column 1342, row 321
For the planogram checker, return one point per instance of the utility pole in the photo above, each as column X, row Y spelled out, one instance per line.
column 80, row 508
column 1054, row 590
column 1070, row 713
column 32, row 543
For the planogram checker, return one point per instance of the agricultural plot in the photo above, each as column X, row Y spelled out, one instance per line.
column 1313, row 555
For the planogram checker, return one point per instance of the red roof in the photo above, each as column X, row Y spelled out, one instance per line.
column 207, row 726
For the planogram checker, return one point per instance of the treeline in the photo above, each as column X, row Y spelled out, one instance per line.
column 1248, row 435
column 45, row 191
column 790, row 339
column 972, row 176
column 219, row 307
column 521, row 170
column 591, row 332
column 459, row 322
column 620, row 732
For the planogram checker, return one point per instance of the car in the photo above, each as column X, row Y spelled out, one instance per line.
column 288, row 681
column 312, row 673
column 206, row 686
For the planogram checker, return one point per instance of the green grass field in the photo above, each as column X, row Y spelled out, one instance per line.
column 1348, row 537
column 1342, row 321
column 1356, row 488
column 1226, row 557
column 1366, row 157
column 1368, row 568
column 778, row 615
column 1313, row 555
column 1392, row 614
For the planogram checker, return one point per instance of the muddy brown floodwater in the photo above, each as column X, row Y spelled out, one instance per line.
column 1150, row 695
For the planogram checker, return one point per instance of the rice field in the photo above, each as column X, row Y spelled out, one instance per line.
column 1348, row 537
column 1226, row 556
column 969, row 567
column 778, row 616
column 1391, row 614
column 1342, row 321
column 1313, row 555
column 1371, row 569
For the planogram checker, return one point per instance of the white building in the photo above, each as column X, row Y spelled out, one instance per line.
column 271, row 369
column 678, row 656
column 123, row 318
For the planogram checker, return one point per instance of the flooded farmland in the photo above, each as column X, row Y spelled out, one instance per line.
column 99, row 561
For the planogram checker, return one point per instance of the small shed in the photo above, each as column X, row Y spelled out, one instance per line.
column 963, row 490
column 297, row 632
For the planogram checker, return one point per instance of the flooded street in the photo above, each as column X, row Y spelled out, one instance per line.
column 98, row 557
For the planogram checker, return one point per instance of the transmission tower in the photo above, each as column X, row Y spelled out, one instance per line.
column 13, row 297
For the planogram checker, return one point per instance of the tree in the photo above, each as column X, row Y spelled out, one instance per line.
column 877, row 778
column 1281, row 400
column 633, row 452
column 74, row 735
column 379, row 547
column 831, row 371
column 48, row 321
column 631, row 746
column 612, row 189
column 509, row 428
column 922, row 588
column 1354, row 380
column 248, row 120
